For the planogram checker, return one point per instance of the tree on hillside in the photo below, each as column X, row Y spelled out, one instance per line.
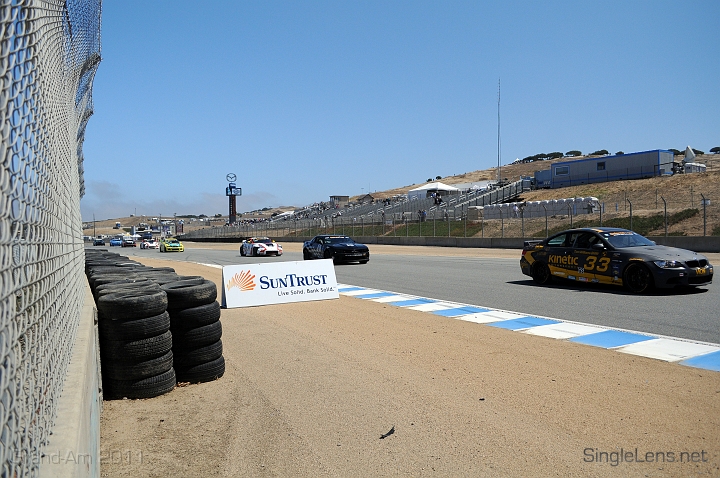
column 619, row 153
column 429, row 180
column 675, row 151
column 715, row 150
column 554, row 155
column 697, row 151
column 600, row 152
column 438, row 178
column 573, row 152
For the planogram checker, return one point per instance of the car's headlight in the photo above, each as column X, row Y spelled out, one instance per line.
column 668, row 264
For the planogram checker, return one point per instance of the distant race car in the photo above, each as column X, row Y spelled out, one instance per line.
column 613, row 256
column 98, row 242
column 260, row 246
column 149, row 244
column 128, row 242
column 337, row 248
column 116, row 241
column 171, row 244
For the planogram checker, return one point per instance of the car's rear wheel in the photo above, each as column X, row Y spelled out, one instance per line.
column 637, row 278
column 242, row 251
column 541, row 273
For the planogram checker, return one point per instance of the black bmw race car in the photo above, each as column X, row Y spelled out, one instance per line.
column 337, row 248
column 608, row 255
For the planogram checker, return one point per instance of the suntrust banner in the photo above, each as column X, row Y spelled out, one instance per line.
column 279, row 282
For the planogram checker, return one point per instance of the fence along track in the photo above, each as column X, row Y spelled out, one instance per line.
column 49, row 52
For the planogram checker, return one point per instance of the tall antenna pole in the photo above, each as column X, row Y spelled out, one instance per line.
column 498, row 168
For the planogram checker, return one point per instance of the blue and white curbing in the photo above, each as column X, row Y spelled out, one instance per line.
column 694, row 354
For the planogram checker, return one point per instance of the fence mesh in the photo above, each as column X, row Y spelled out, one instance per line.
column 49, row 52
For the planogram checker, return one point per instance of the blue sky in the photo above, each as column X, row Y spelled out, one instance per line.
column 308, row 99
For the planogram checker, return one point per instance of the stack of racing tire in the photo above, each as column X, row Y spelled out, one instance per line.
column 143, row 352
column 133, row 326
column 196, row 329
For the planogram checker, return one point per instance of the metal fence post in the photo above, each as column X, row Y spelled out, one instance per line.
column 631, row 218
column 571, row 215
column 546, row 220
column 466, row 218
column 665, row 214
column 704, row 201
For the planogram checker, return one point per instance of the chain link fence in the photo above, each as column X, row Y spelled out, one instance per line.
column 693, row 212
column 49, row 52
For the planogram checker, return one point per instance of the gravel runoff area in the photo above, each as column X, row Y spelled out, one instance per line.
column 310, row 389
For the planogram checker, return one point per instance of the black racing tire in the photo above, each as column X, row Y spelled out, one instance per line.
column 186, row 294
column 127, row 305
column 189, row 358
column 306, row 255
column 637, row 278
column 191, row 280
column 160, row 269
column 137, row 329
column 162, row 279
column 205, row 372
column 143, row 388
column 197, row 337
column 118, row 369
column 146, row 288
column 363, row 262
column 328, row 255
column 254, row 252
column 541, row 273
column 96, row 280
column 191, row 318
column 242, row 250
column 139, row 350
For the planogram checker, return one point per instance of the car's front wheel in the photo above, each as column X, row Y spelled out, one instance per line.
column 306, row 255
column 637, row 278
column 242, row 251
column 541, row 273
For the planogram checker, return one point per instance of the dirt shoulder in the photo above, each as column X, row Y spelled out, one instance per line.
column 310, row 388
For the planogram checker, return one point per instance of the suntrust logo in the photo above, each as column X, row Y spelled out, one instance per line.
column 292, row 280
column 243, row 280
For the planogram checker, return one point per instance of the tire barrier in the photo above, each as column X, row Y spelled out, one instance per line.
column 156, row 327
column 196, row 329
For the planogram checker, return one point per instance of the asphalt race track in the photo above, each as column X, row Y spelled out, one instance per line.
column 498, row 283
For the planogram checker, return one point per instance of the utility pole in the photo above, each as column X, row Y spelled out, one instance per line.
column 498, row 167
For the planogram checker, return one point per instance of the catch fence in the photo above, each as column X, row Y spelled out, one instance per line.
column 693, row 212
column 49, row 52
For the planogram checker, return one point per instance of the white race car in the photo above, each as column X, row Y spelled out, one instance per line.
column 260, row 246
column 149, row 244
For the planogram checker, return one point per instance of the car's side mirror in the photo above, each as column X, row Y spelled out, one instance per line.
column 598, row 247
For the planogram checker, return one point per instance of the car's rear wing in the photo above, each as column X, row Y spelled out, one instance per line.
column 527, row 245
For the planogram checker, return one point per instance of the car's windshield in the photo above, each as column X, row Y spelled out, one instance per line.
column 264, row 241
column 337, row 240
column 626, row 239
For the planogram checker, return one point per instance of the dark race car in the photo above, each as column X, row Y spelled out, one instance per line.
column 337, row 248
column 615, row 256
